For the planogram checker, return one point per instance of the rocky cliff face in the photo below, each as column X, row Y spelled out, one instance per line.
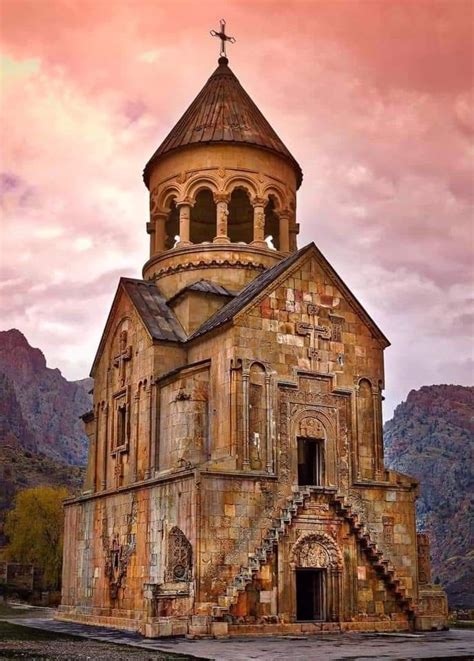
column 42, row 441
column 431, row 437
column 39, row 406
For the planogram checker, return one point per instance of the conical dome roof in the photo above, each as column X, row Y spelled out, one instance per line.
column 222, row 112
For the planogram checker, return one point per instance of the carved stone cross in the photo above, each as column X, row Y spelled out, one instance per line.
column 121, row 358
column 313, row 331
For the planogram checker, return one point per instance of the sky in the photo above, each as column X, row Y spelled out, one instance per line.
column 374, row 98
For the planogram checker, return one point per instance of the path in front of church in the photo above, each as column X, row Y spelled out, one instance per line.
column 456, row 643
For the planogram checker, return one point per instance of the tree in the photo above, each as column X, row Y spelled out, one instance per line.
column 35, row 528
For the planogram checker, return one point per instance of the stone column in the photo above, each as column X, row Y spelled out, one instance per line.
column 378, row 433
column 222, row 200
column 134, row 443
column 153, row 419
column 105, row 447
column 184, row 207
column 268, row 404
column 284, row 217
column 259, row 204
column 294, row 231
column 160, row 231
column 245, row 388
column 98, row 420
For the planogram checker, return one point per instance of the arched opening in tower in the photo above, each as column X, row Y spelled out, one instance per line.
column 203, row 218
column 272, row 224
column 240, row 219
column 172, row 226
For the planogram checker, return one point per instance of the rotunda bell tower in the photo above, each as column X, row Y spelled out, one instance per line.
column 222, row 192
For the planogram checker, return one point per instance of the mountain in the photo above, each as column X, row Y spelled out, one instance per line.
column 45, row 416
column 431, row 436
column 42, row 441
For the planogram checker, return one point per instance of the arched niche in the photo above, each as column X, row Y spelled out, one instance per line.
column 251, row 413
column 365, row 430
column 240, row 219
column 272, row 222
column 258, row 416
column 203, row 217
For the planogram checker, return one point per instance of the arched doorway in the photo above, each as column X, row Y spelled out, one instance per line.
column 317, row 562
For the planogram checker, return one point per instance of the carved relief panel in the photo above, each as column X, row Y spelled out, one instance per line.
column 179, row 557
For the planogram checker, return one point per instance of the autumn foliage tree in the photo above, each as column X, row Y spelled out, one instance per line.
column 35, row 528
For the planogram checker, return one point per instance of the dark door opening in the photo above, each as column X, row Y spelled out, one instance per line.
column 310, row 462
column 310, row 594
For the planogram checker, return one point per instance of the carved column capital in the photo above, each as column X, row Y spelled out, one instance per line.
column 257, row 201
column 185, row 202
column 221, row 196
column 285, row 213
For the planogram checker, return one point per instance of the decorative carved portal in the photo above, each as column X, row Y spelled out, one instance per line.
column 317, row 561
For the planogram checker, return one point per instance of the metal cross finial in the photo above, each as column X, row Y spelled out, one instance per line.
column 223, row 37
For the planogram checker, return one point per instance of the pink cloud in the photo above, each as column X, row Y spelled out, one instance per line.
column 373, row 98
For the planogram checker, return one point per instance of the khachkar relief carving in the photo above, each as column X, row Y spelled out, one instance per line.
column 117, row 555
column 179, row 557
column 315, row 332
column 124, row 355
column 424, row 564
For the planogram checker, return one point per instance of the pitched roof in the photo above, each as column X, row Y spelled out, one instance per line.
column 263, row 281
column 223, row 112
column 162, row 324
column 204, row 286
column 247, row 294
column 158, row 318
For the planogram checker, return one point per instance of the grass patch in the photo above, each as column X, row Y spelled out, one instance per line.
column 462, row 624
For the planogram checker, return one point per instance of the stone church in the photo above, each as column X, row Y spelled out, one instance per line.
column 236, row 480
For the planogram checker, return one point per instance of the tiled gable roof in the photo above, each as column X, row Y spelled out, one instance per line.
column 205, row 287
column 158, row 318
column 248, row 294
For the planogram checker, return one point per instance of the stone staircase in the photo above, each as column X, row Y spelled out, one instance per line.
column 295, row 503
column 383, row 567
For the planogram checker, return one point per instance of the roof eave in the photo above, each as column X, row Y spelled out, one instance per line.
column 157, row 156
